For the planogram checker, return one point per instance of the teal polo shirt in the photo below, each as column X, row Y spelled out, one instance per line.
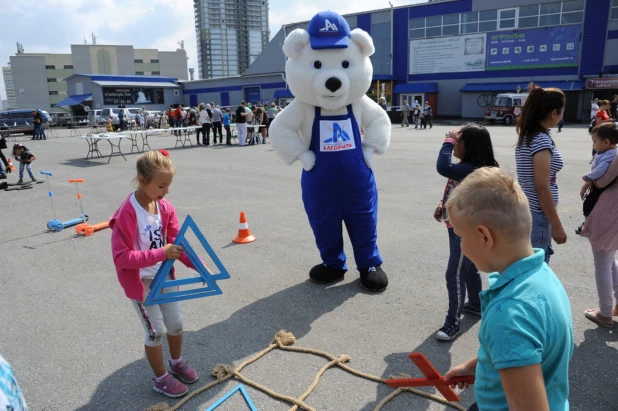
column 526, row 321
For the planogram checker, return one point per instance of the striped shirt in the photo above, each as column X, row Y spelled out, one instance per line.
column 525, row 168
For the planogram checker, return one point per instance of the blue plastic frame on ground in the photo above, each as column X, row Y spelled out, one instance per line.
column 244, row 393
column 156, row 296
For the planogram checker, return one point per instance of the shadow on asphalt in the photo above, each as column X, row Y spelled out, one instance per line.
column 438, row 353
column 230, row 341
column 592, row 371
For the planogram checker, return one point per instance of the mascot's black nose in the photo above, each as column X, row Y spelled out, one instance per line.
column 333, row 84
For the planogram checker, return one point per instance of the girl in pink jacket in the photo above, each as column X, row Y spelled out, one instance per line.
column 143, row 230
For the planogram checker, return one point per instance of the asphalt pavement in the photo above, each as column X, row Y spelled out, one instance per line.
column 75, row 342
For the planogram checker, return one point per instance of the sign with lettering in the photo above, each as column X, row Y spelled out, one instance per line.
column 539, row 48
column 448, row 54
column 602, row 83
column 132, row 95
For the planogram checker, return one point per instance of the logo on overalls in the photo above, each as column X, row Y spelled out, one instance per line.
column 328, row 26
column 336, row 136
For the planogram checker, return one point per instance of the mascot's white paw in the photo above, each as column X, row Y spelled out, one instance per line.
column 308, row 160
column 368, row 154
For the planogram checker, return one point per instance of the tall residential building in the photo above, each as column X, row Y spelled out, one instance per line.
column 36, row 80
column 9, row 87
column 231, row 34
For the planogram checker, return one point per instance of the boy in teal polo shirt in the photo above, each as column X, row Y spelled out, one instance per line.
column 526, row 336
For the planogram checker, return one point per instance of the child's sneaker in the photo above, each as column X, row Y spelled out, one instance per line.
column 448, row 332
column 21, row 181
column 184, row 372
column 578, row 230
column 33, row 179
column 170, row 386
column 469, row 308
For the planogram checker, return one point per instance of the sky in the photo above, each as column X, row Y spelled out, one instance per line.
column 53, row 25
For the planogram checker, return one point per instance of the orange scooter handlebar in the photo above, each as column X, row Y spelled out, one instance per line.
column 76, row 180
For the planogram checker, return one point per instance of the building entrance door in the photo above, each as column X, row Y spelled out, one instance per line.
column 412, row 98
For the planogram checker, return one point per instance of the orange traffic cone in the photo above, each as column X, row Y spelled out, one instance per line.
column 244, row 235
column 11, row 166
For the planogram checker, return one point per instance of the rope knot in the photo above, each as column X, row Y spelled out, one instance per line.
column 284, row 338
column 344, row 358
column 221, row 371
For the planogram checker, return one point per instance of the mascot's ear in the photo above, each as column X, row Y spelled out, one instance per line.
column 364, row 41
column 294, row 43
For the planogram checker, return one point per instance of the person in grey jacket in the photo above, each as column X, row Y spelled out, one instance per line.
column 216, row 123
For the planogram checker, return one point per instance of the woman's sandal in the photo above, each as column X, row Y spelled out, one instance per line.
column 593, row 315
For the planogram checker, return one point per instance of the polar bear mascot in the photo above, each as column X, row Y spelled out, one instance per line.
column 334, row 129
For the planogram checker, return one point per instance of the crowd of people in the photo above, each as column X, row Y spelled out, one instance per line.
column 421, row 116
column 212, row 117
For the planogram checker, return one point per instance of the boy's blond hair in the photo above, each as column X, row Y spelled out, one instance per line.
column 491, row 198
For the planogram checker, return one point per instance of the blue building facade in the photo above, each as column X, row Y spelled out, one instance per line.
column 458, row 54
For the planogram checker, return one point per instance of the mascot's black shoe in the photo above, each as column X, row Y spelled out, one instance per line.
column 373, row 279
column 323, row 274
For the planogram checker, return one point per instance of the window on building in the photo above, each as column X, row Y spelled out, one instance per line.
column 79, row 88
column 68, row 67
column 507, row 18
column 528, row 16
column 572, row 12
column 50, row 67
column 139, row 73
column 138, row 61
column 614, row 13
column 154, row 61
column 550, row 14
column 450, row 24
column 53, row 93
column 52, row 80
column 488, row 20
column 156, row 73
column 469, row 22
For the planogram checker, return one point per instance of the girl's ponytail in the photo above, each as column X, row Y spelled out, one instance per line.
column 538, row 106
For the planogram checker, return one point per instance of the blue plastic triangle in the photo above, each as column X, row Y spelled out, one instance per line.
column 244, row 393
column 157, row 296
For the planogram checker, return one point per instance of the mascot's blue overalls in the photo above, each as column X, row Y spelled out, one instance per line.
column 341, row 188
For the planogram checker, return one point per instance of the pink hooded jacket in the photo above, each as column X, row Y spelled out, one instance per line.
column 127, row 259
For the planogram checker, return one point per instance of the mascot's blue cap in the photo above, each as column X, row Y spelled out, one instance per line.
column 328, row 30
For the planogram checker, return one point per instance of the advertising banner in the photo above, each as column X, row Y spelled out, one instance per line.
column 129, row 95
column 602, row 83
column 448, row 54
column 538, row 48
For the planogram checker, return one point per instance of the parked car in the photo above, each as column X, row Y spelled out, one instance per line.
column 60, row 119
column 20, row 121
column 506, row 108
column 95, row 117
column 112, row 115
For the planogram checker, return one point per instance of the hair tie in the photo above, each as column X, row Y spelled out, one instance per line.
column 165, row 153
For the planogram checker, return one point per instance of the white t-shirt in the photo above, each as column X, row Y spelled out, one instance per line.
column 150, row 235
column 249, row 115
column 594, row 110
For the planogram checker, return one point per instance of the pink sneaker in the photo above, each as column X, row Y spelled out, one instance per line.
column 184, row 372
column 171, row 387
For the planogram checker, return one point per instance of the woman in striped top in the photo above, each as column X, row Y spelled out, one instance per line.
column 538, row 163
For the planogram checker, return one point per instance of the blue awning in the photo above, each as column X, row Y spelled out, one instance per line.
column 417, row 88
column 285, row 93
column 73, row 100
column 512, row 87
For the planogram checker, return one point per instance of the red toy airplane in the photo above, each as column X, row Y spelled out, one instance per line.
column 433, row 378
